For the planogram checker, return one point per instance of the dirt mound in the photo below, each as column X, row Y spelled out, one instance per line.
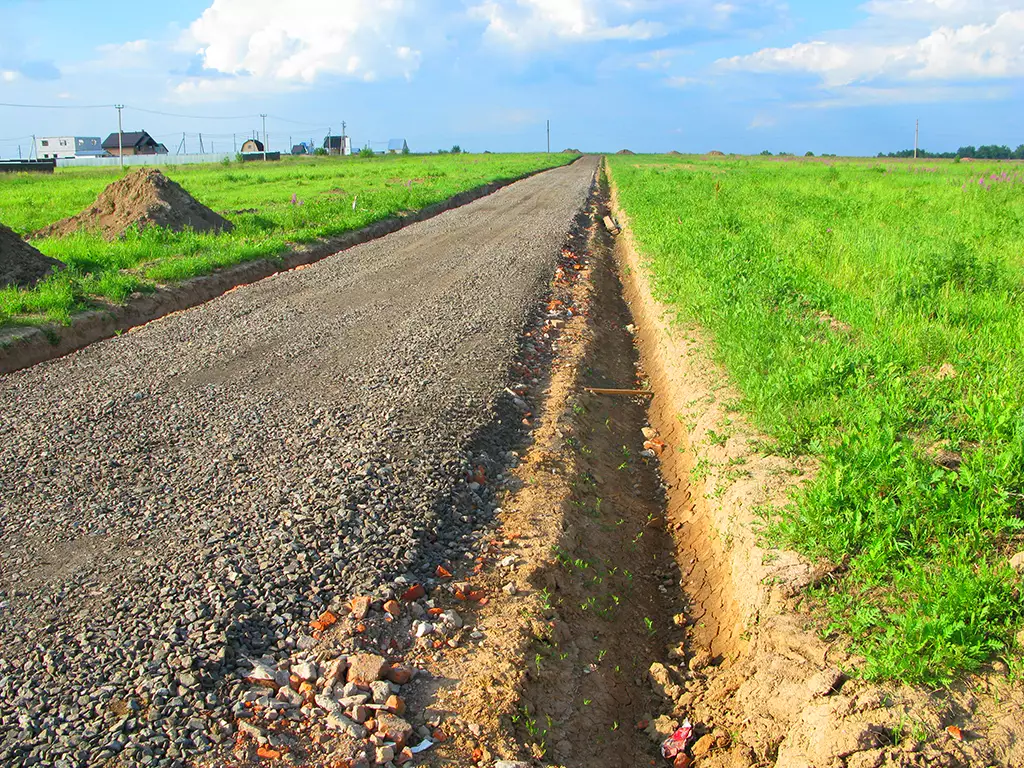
column 571, row 152
column 21, row 265
column 625, row 152
column 143, row 198
column 716, row 153
column 673, row 153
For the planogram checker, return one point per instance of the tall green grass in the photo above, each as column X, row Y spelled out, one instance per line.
column 871, row 315
column 256, row 197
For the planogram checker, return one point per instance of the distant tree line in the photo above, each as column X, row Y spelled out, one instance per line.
column 987, row 152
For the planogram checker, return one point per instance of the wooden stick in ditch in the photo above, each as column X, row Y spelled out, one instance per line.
column 624, row 392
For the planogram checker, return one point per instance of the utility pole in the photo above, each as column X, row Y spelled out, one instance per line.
column 184, row 147
column 549, row 137
column 264, row 135
column 120, row 134
column 917, row 136
column 202, row 151
column 341, row 149
column 33, row 151
column 234, row 143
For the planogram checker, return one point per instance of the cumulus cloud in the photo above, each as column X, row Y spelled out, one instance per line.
column 8, row 75
column 269, row 45
column 528, row 24
column 971, row 52
column 942, row 11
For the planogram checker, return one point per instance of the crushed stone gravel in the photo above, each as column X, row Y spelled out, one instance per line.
column 185, row 498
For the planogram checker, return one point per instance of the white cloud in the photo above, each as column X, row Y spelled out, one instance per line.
column 679, row 81
column 862, row 95
column 762, row 121
column 267, row 45
column 132, row 46
column 971, row 52
column 659, row 60
column 8, row 75
column 526, row 24
column 942, row 11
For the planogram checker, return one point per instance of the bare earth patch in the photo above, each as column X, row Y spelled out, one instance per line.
column 21, row 265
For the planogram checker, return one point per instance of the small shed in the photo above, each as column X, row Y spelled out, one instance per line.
column 398, row 147
column 338, row 145
column 252, row 145
column 299, row 149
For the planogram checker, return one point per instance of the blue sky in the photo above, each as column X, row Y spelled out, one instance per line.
column 648, row 75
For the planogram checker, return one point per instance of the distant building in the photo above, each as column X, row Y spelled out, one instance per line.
column 338, row 145
column 57, row 147
column 133, row 143
column 397, row 147
column 252, row 145
column 299, row 149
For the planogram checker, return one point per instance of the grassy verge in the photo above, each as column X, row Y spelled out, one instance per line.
column 273, row 206
column 871, row 314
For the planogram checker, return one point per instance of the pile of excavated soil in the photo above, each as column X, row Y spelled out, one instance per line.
column 21, row 265
column 716, row 153
column 571, row 152
column 625, row 152
column 673, row 153
column 143, row 198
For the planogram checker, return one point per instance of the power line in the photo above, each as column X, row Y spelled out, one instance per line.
column 162, row 113
column 191, row 117
column 56, row 106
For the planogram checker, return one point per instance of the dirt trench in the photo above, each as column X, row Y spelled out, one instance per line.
column 641, row 596
column 564, row 676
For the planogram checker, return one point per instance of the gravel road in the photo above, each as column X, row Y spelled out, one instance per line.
column 184, row 497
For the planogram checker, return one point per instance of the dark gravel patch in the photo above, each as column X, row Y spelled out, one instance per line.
column 188, row 496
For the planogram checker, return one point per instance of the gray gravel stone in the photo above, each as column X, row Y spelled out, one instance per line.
column 179, row 502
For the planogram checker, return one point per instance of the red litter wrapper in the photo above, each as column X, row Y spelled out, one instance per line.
column 676, row 743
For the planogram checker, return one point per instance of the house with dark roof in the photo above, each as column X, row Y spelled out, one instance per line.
column 252, row 145
column 133, row 143
column 398, row 147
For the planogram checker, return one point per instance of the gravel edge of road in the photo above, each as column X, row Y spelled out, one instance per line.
column 24, row 347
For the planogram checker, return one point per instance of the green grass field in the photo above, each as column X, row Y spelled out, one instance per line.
column 871, row 313
column 257, row 198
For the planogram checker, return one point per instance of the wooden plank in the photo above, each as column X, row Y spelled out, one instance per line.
column 623, row 392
